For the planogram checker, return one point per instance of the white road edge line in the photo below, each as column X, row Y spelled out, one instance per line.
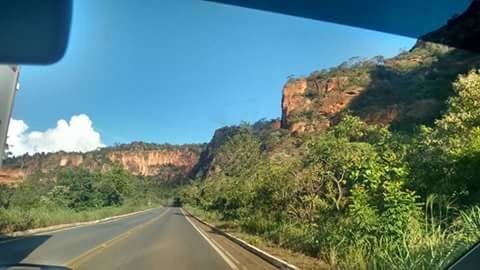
column 97, row 223
column 114, row 219
column 66, row 229
column 279, row 263
column 226, row 252
column 224, row 257
column 80, row 225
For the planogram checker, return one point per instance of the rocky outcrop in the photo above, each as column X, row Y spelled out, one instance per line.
column 293, row 99
column 299, row 103
column 403, row 91
column 205, row 166
column 151, row 162
column 167, row 162
column 11, row 176
column 462, row 31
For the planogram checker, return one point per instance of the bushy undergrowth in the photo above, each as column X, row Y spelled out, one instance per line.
column 358, row 196
column 74, row 195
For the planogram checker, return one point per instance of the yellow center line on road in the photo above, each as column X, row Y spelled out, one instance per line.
column 209, row 241
column 75, row 262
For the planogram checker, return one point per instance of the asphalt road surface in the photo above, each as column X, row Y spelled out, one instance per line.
column 162, row 238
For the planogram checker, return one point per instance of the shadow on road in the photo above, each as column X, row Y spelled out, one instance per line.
column 13, row 250
column 30, row 266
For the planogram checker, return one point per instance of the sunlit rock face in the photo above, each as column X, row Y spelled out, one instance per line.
column 293, row 100
column 309, row 104
column 205, row 165
column 150, row 162
column 403, row 91
column 165, row 161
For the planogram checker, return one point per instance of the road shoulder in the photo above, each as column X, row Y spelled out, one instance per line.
column 297, row 259
column 241, row 249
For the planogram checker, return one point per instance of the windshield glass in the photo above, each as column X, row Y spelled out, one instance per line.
column 192, row 134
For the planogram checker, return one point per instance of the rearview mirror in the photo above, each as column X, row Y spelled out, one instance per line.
column 412, row 18
column 33, row 31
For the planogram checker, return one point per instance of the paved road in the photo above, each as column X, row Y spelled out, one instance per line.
column 162, row 238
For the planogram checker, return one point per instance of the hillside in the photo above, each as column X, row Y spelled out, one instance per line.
column 165, row 162
column 373, row 164
column 402, row 92
column 207, row 162
column 406, row 90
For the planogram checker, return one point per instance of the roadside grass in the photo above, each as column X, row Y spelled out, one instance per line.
column 16, row 219
column 70, row 195
column 434, row 249
column 300, row 260
column 433, row 244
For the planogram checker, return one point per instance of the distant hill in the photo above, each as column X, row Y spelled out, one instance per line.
column 164, row 161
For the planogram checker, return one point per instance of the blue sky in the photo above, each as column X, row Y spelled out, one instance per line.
column 174, row 71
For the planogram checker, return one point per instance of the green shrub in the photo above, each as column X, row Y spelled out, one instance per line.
column 359, row 196
column 75, row 195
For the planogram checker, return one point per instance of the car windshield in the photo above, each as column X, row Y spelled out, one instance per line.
column 199, row 135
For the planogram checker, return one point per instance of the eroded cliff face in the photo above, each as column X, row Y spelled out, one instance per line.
column 299, row 104
column 168, row 163
column 151, row 162
column 205, row 165
column 16, row 169
column 403, row 91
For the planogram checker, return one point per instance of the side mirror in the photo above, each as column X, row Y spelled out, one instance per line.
column 33, row 31
column 8, row 86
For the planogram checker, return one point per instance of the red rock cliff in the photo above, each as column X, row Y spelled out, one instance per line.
column 167, row 162
column 403, row 91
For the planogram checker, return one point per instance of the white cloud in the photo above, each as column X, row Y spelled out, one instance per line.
column 76, row 135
